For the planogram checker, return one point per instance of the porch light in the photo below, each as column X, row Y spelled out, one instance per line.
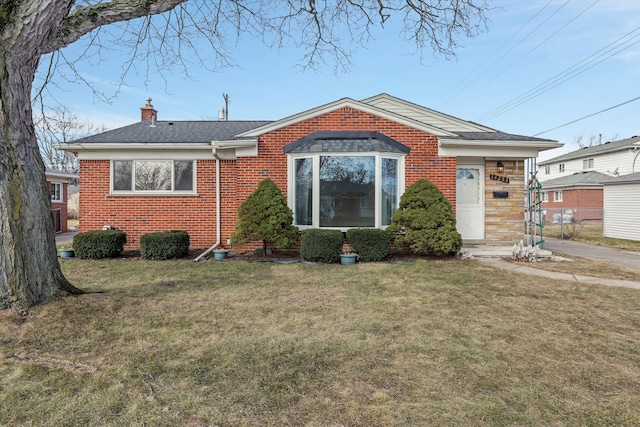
column 500, row 166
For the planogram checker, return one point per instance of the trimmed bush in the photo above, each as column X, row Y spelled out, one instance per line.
column 164, row 245
column 264, row 216
column 99, row 244
column 371, row 244
column 321, row 245
column 425, row 221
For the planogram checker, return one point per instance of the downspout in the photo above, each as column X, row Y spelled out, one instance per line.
column 218, row 215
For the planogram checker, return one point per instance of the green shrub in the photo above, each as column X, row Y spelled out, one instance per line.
column 264, row 216
column 164, row 245
column 99, row 244
column 321, row 245
column 425, row 221
column 371, row 244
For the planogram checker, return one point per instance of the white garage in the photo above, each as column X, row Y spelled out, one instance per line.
column 622, row 207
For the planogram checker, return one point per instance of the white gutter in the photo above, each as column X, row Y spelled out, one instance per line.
column 218, row 215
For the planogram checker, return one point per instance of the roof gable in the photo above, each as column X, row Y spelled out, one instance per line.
column 347, row 103
column 424, row 114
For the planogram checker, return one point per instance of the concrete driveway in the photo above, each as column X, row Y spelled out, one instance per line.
column 65, row 238
column 619, row 257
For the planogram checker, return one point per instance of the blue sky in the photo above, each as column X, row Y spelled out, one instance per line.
column 565, row 59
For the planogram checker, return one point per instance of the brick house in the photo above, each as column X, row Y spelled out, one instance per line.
column 58, row 184
column 578, row 196
column 341, row 165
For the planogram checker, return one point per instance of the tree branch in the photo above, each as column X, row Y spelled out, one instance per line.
column 84, row 19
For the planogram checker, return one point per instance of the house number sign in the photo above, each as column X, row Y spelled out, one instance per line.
column 499, row 178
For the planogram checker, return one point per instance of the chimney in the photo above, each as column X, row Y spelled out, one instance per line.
column 147, row 112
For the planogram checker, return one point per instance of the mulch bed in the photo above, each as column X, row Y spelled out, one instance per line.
column 277, row 256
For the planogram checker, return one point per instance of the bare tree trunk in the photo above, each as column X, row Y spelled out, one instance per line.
column 29, row 267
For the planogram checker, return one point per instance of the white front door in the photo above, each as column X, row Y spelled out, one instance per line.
column 470, row 202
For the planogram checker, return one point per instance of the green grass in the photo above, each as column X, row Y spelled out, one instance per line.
column 178, row 343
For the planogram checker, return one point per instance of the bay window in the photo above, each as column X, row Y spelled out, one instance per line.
column 335, row 188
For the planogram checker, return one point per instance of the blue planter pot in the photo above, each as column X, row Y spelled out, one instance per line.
column 67, row 253
column 220, row 255
column 348, row 259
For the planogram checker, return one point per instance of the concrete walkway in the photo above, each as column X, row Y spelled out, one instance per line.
column 494, row 256
column 532, row 271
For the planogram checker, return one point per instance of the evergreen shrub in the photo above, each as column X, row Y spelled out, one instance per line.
column 320, row 245
column 164, row 245
column 371, row 244
column 425, row 221
column 99, row 244
column 264, row 216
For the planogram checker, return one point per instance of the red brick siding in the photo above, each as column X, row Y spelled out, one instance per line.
column 138, row 215
column 587, row 203
column 271, row 162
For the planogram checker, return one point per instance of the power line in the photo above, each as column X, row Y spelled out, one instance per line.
column 571, row 72
column 535, row 47
column 589, row 115
column 449, row 93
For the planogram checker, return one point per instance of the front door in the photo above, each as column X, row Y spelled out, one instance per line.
column 470, row 202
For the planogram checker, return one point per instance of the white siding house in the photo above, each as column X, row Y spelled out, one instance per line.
column 611, row 158
column 622, row 207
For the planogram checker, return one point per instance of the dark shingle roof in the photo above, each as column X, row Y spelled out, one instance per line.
column 632, row 177
column 493, row 136
column 355, row 142
column 578, row 179
column 595, row 149
column 167, row 131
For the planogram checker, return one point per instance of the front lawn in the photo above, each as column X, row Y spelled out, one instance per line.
column 177, row 343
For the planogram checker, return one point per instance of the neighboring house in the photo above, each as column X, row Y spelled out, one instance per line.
column 572, row 182
column 58, row 183
column 578, row 196
column 611, row 158
column 622, row 207
column 340, row 165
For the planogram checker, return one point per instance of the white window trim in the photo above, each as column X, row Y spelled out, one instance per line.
column 588, row 163
column 555, row 196
column 61, row 199
column 378, row 156
column 544, row 196
column 135, row 192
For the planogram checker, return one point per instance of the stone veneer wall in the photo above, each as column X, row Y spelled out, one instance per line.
column 504, row 218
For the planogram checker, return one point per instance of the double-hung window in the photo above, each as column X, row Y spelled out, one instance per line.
column 544, row 196
column 153, row 176
column 56, row 191
column 557, row 196
column 345, row 179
